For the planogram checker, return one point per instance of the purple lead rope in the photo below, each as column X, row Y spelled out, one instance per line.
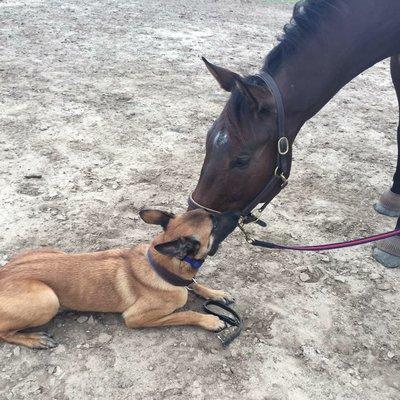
column 329, row 246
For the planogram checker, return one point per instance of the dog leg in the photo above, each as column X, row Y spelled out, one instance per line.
column 34, row 340
column 212, row 294
column 26, row 304
column 153, row 318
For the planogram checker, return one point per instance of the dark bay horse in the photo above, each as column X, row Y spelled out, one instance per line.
column 326, row 44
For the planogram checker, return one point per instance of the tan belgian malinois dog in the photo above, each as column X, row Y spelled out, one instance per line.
column 145, row 283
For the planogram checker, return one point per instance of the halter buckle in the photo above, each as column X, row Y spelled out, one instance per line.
column 283, row 146
column 257, row 215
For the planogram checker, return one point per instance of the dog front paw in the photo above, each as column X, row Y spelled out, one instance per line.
column 213, row 323
column 223, row 297
column 42, row 341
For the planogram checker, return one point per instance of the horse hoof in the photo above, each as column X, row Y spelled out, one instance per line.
column 379, row 208
column 386, row 259
column 388, row 204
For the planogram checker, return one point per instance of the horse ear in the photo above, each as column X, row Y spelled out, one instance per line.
column 156, row 217
column 258, row 96
column 224, row 77
column 179, row 248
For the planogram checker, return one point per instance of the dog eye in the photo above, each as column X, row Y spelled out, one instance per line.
column 241, row 162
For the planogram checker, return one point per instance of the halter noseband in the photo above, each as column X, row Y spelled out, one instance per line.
column 195, row 204
column 281, row 174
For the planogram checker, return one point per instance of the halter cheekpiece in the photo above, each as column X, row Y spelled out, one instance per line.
column 281, row 173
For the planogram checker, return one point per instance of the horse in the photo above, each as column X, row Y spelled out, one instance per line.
column 326, row 44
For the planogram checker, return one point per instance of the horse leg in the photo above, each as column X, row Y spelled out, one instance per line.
column 389, row 202
column 387, row 251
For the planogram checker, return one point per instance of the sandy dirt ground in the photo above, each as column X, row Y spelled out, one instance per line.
column 109, row 103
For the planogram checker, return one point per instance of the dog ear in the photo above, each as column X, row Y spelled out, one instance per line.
column 223, row 76
column 179, row 248
column 156, row 217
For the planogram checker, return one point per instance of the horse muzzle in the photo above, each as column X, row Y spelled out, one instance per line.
column 224, row 224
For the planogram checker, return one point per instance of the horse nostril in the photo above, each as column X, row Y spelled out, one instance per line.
column 237, row 215
column 232, row 215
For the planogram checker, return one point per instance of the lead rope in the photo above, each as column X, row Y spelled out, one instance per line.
column 234, row 321
column 320, row 247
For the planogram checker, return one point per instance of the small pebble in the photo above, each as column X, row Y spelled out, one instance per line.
column 383, row 286
column 60, row 349
column 354, row 382
column 325, row 258
column 82, row 319
column 91, row 320
column 374, row 276
column 104, row 338
column 151, row 368
column 304, row 277
column 390, row 354
column 339, row 278
column 52, row 369
column 16, row 351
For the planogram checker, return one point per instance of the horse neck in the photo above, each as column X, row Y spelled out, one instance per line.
column 361, row 33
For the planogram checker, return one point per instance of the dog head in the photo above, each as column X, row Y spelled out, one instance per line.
column 195, row 234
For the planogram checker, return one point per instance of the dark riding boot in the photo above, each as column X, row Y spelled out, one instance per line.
column 388, row 204
column 387, row 251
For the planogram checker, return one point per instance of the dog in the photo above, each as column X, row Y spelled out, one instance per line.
column 146, row 283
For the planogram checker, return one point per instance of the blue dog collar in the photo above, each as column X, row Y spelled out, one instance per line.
column 196, row 264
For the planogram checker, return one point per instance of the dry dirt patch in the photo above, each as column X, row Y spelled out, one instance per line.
column 109, row 103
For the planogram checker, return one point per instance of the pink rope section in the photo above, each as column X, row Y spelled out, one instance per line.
column 329, row 246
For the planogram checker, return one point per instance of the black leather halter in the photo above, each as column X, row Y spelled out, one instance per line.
column 281, row 174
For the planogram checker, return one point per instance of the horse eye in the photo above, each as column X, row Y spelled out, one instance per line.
column 240, row 162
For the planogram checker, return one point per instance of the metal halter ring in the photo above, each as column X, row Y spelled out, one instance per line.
column 283, row 146
column 246, row 234
column 283, row 177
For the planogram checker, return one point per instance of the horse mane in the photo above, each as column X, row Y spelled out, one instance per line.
column 308, row 16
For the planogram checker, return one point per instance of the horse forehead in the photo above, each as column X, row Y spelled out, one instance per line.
column 221, row 138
